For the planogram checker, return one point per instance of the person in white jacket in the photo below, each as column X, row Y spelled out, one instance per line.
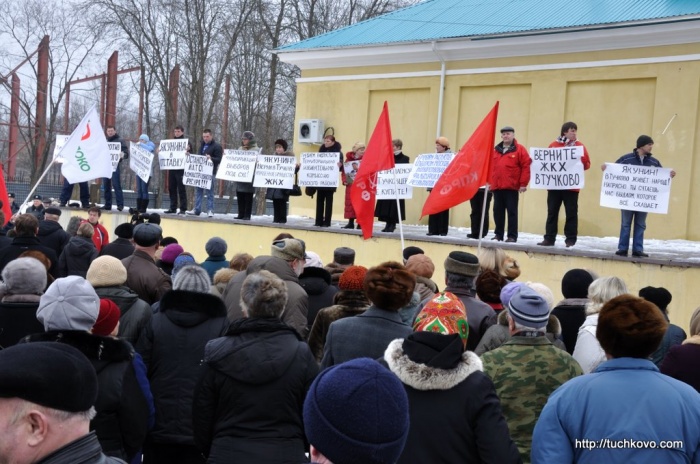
column 588, row 351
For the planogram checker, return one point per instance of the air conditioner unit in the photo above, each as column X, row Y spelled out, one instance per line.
column 310, row 131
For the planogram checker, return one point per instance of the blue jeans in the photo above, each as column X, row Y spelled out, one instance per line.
column 115, row 182
column 640, row 224
column 199, row 193
column 67, row 191
column 142, row 189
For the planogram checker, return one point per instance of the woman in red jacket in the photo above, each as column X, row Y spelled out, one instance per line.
column 358, row 151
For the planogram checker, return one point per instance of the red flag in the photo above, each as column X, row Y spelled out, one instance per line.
column 379, row 156
column 7, row 211
column 469, row 170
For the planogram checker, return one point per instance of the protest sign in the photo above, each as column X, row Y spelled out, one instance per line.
column 319, row 169
column 428, row 168
column 390, row 187
column 171, row 154
column 140, row 161
column 237, row 165
column 115, row 152
column 199, row 171
column 556, row 168
column 273, row 171
column 60, row 141
column 636, row 188
column 350, row 168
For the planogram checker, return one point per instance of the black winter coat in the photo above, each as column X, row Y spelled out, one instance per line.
column 21, row 244
column 172, row 346
column 571, row 313
column 386, row 209
column 334, row 148
column 76, row 257
column 248, row 405
column 121, row 422
column 52, row 235
column 135, row 313
column 316, row 282
column 17, row 320
column 120, row 248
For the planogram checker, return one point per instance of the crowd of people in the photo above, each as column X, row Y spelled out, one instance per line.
column 131, row 351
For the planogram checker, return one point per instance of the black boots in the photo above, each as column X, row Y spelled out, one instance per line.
column 350, row 224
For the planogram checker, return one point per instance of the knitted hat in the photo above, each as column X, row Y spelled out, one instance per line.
column 171, row 252
column 508, row 291
column 106, row 271
column 630, row 327
column 420, row 265
column 108, row 318
column 216, row 246
column 147, row 234
column 460, row 262
column 657, row 295
column 444, row 314
column 125, row 230
column 352, row 278
column 282, row 143
column 575, row 283
column 529, row 309
column 50, row 374
column 344, row 255
column 389, row 286
column 543, row 291
column 69, row 303
column 313, row 260
column 289, row 249
column 644, row 140
column 192, row 278
column 181, row 261
column 489, row 285
column 24, row 276
column 410, row 251
column 144, row 137
column 357, row 413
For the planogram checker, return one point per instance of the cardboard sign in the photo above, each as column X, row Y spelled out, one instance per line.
column 171, row 154
column 274, row 171
column 199, row 172
column 636, row 188
column 556, row 168
column 237, row 165
column 140, row 161
column 115, row 152
column 390, row 187
column 319, row 169
column 428, row 168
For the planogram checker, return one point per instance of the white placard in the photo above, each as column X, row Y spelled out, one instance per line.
column 140, row 161
column 274, row 171
column 199, row 172
column 428, row 168
column 556, row 168
column 60, row 141
column 636, row 188
column 115, row 152
column 390, row 188
column 319, row 169
column 171, row 154
column 237, row 165
column 350, row 168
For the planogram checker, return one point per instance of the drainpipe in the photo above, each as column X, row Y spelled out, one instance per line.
column 442, row 91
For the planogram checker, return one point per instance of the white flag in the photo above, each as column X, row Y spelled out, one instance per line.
column 86, row 152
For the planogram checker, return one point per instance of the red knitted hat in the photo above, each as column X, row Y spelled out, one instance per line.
column 352, row 278
column 107, row 319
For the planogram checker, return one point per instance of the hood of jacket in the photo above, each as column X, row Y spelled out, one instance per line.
column 48, row 227
column 315, row 280
column 94, row 347
column 79, row 246
column 189, row 309
column 122, row 296
column 277, row 266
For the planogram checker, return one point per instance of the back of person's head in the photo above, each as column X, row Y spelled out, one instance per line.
column 389, row 286
column 461, row 268
column 420, row 265
column 240, row 261
column 528, row 310
column 24, row 276
column 444, row 314
column 171, row 252
column 108, row 319
column 26, row 225
column 263, row 294
column 42, row 258
column 543, row 291
column 224, row 275
column 357, row 413
column 167, row 241
column 511, row 268
column 216, row 246
column 492, row 259
column 630, row 327
column 602, row 290
column 410, row 251
column 73, row 224
column 85, row 230
column 489, row 285
column 192, row 278
column 184, row 259
column 106, row 271
column 353, row 279
column 575, row 283
column 344, row 256
column 147, row 235
column 125, row 231
column 657, row 295
column 313, row 260
column 69, row 303
column 508, row 291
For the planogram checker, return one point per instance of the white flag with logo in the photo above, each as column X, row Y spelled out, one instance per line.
column 86, row 153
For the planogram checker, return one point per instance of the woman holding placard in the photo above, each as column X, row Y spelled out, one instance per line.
column 280, row 196
column 142, row 198
column 324, row 195
column 350, row 168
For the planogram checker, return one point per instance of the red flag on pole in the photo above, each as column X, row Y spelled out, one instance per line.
column 379, row 156
column 469, row 170
column 6, row 209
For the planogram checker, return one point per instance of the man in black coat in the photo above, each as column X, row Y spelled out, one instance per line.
column 122, row 247
column 115, row 180
column 176, row 188
column 386, row 209
column 37, row 208
column 26, row 228
column 51, row 234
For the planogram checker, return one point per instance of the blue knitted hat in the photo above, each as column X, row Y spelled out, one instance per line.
column 528, row 308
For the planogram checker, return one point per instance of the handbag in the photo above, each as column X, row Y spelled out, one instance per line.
column 310, row 191
column 296, row 190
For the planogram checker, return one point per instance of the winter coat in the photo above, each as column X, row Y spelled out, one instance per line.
column 121, row 423
column 172, row 346
column 409, row 312
column 120, row 248
column 499, row 333
column 585, row 160
column 674, row 336
column 349, row 212
column 682, row 362
column 571, row 313
column 626, row 398
column 213, row 264
column 634, row 159
column 124, row 146
column 335, row 148
column 386, row 209
column 149, row 147
column 455, row 415
column 76, row 257
column 347, row 303
column 28, row 242
column 37, row 211
column 100, row 237
column 510, row 167
column 336, row 270
column 144, row 277
column 316, row 282
column 480, row 316
column 296, row 309
column 85, row 450
column 247, row 187
column 52, row 235
column 248, row 405
column 135, row 313
column 280, row 193
column 364, row 336
column 525, row 371
column 18, row 318
column 588, row 351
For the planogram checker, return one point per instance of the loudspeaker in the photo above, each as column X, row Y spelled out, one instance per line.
column 310, row 131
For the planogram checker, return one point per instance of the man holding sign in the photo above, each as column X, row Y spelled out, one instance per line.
column 641, row 156
column 115, row 180
column 213, row 151
column 176, row 187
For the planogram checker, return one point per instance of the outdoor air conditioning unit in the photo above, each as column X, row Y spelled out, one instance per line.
column 310, row 131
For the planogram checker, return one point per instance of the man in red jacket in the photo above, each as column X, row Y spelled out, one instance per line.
column 510, row 174
column 569, row 197
column 101, row 237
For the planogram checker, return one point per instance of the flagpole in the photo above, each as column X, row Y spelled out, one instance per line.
column 398, row 209
column 24, row 206
column 483, row 214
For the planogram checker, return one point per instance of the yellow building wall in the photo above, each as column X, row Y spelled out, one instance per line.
column 612, row 106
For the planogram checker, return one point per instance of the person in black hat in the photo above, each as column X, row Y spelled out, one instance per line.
column 13, row 204
column 51, row 233
column 176, row 186
column 37, row 208
column 280, row 196
column 640, row 156
column 674, row 335
column 123, row 246
column 143, row 276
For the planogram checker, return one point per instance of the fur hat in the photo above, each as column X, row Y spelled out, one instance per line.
column 508, row 291
column 420, row 265
column 50, row 374
column 529, row 309
column 357, row 413
column 463, row 263
column 489, row 285
column 289, row 249
column 657, row 295
column 107, row 319
column 352, row 278
column 575, row 283
column 216, row 246
column 410, row 251
column 630, row 327
column 282, row 143
column 171, row 252
column 445, row 314
column 24, row 276
column 147, row 234
column 192, row 278
column 125, row 230
column 644, row 140
column 344, row 255
column 224, row 275
column 389, row 286
column 313, row 260
column 69, row 303
column 543, row 291
column 106, row 271
column 181, row 261
column 248, row 135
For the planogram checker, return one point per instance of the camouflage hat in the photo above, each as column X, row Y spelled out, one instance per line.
column 444, row 314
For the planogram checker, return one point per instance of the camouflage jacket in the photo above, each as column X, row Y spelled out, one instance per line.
column 525, row 371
